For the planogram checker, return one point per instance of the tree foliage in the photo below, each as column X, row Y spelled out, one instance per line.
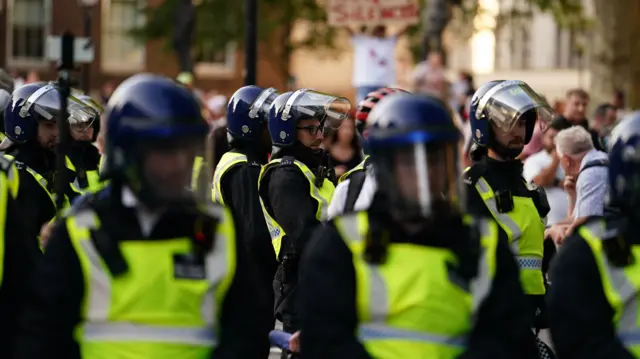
column 221, row 22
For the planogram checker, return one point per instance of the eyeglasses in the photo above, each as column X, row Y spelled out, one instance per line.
column 312, row 129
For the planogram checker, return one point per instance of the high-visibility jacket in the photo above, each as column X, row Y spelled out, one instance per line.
column 92, row 178
column 150, row 311
column 321, row 195
column 228, row 161
column 9, row 186
column 409, row 306
column 525, row 230
column 360, row 167
column 620, row 285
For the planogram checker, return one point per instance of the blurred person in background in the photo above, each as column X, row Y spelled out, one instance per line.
column 106, row 90
column 575, row 113
column 604, row 120
column 7, row 84
column 428, row 76
column 462, row 90
column 18, row 79
column 585, row 181
column 32, row 77
column 543, row 169
column 535, row 145
column 344, row 148
column 374, row 60
column 619, row 103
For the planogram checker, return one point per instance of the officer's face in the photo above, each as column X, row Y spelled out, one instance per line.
column 48, row 134
column 82, row 133
column 513, row 139
column 168, row 168
column 310, row 133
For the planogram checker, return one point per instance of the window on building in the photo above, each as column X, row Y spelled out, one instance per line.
column 120, row 52
column 29, row 25
column 214, row 62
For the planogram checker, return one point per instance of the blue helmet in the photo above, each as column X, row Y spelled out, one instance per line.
column 290, row 108
column 150, row 113
column 413, row 142
column 502, row 104
column 248, row 109
column 29, row 105
column 624, row 163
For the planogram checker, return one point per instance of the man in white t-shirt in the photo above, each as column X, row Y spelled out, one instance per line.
column 374, row 61
column 544, row 170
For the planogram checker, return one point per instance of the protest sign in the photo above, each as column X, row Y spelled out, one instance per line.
column 353, row 13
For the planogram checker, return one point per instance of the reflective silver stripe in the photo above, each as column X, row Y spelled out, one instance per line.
column 315, row 192
column 127, row 332
column 376, row 332
column 503, row 218
column 99, row 292
column 481, row 285
column 232, row 157
column 627, row 326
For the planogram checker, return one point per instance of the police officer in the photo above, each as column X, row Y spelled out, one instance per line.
column 593, row 303
column 412, row 277
column 296, row 185
column 503, row 115
column 355, row 188
column 235, row 180
column 142, row 269
column 32, row 132
column 6, row 88
column 83, row 157
column 19, row 254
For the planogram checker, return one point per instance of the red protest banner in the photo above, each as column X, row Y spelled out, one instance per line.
column 342, row 13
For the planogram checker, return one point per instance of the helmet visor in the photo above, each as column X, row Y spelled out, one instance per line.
column 505, row 103
column 44, row 104
column 421, row 179
column 307, row 104
column 81, row 116
column 263, row 103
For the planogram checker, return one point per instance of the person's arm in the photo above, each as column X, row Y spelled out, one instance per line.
column 580, row 318
column 292, row 205
column 502, row 327
column 52, row 308
column 591, row 190
column 326, row 298
column 244, row 322
column 338, row 201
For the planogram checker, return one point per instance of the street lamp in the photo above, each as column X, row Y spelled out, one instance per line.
column 87, row 6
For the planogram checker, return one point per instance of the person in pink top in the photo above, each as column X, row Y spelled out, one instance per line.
column 533, row 146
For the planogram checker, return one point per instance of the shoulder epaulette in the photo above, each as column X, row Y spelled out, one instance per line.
column 287, row 161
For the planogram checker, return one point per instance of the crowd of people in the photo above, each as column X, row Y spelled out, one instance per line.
column 354, row 226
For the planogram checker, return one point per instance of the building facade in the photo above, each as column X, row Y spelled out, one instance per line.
column 26, row 24
column 514, row 40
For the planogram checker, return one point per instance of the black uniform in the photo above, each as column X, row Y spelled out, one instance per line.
column 328, row 265
column 239, row 187
column 287, row 190
column 20, row 256
column 580, row 316
column 33, row 200
column 47, row 325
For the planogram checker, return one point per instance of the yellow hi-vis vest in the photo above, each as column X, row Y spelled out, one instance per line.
column 408, row 307
column 227, row 161
column 525, row 231
column 93, row 178
column 620, row 285
column 147, row 312
column 359, row 167
column 197, row 168
column 9, row 186
column 321, row 195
